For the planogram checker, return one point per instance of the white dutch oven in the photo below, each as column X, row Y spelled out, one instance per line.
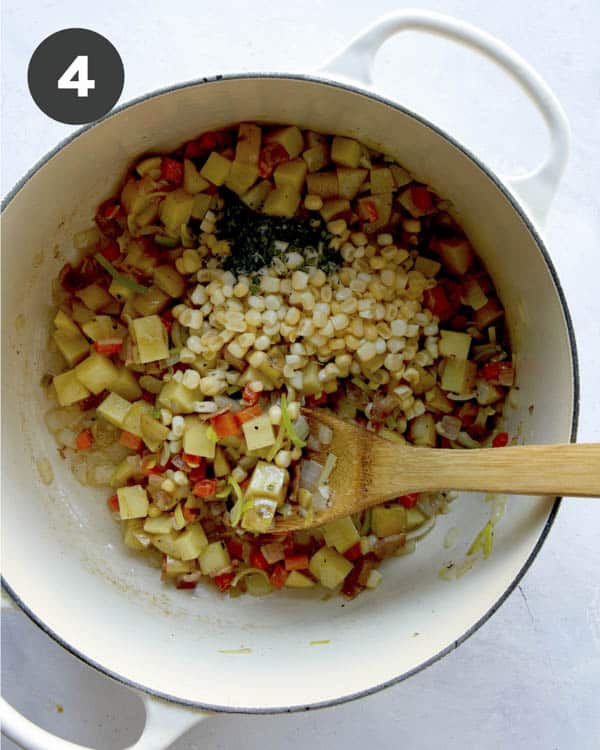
column 63, row 561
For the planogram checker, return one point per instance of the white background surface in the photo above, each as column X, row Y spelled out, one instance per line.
column 530, row 678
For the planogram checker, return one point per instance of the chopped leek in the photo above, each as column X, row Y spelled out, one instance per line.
column 287, row 423
column 212, row 435
column 360, row 384
column 249, row 571
column 124, row 280
column 238, row 509
column 483, row 541
column 330, row 463
column 278, row 444
column 166, row 241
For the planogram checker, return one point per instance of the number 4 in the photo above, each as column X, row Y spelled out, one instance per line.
column 76, row 77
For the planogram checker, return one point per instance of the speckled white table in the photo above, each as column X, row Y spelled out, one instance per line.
column 530, row 678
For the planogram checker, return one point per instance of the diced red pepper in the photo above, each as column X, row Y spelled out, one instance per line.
column 278, row 577
column 111, row 209
column 314, row 401
column 149, row 397
column 296, row 562
column 351, row 587
column 421, row 197
column 149, row 466
column 500, row 440
column 225, row 424
column 445, row 443
column 370, row 210
column 467, row 413
column 270, row 156
column 211, row 189
column 192, row 461
column 181, row 583
column 353, row 553
column 111, row 252
column 190, row 514
column 171, row 170
column 249, row 413
column 257, row 560
column 224, row 581
column 498, row 373
column 198, row 147
column 435, row 300
column 108, row 346
column 198, row 472
column 249, row 395
column 204, row 487
column 167, row 320
column 84, row 440
column 113, row 503
column 235, row 548
column 129, row 440
column 92, row 401
column 409, row 501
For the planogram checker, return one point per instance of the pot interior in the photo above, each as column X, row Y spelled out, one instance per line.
column 62, row 553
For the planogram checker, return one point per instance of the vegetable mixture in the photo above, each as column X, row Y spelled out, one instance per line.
column 253, row 271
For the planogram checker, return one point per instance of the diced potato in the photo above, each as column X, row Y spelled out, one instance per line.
column 458, row 375
column 290, row 175
column 297, row 580
column 488, row 314
column 422, row 431
column 64, row 323
column 162, row 524
column 436, row 400
column 154, row 433
column 133, row 535
column 175, row 210
column 201, row 205
column 289, row 137
column 316, row 157
column 247, row 149
column 376, row 210
column 345, row 151
column 193, row 182
column 191, row 543
column 134, row 195
column 387, row 520
column 241, row 177
column 350, row 181
column 119, row 291
column 333, row 207
column 256, row 196
column 114, row 409
column 414, row 518
column 324, row 184
column 283, row 201
column 258, row 433
column 173, row 567
column 138, row 258
column 315, row 139
column 165, row 543
column 80, row 312
column 427, row 266
column 73, row 346
column 171, row 282
column 96, row 373
column 487, row 393
column 102, row 327
column 152, row 302
column 150, row 165
column 68, row 388
column 176, row 397
column 133, row 501
column 133, row 419
column 400, row 175
column 382, row 180
column 125, row 471
column 221, row 466
column 151, row 338
column 341, row 534
column 259, row 516
column 405, row 198
column 216, row 169
column 457, row 254
column 94, row 296
column 268, row 481
column 214, row 559
column 196, row 441
column 393, row 437
column 329, row 567
column 454, row 344
column 312, row 385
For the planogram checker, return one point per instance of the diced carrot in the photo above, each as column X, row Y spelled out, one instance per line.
column 278, row 577
column 113, row 503
column 224, row 581
column 249, row 395
column 129, row 440
column 421, row 197
column 189, row 513
column 204, row 487
column 296, row 562
column 370, row 210
column 84, row 440
column 171, row 170
column 353, row 553
column 409, row 501
column 249, row 413
column 500, row 440
column 108, row 346
column 225, row 424
column 149, row 466
column 257, row 560
column 270, row 156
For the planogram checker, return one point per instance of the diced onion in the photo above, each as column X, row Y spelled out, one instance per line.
column 309, row 475
column 449, row 427
column 325, row 434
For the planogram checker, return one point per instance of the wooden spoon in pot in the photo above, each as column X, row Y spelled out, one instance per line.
column 370, row 470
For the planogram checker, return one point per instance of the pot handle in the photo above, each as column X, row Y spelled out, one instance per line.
column 165, row 722
column 354, row 63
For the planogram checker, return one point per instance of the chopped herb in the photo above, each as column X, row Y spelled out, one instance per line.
column 257, row 240
column 124, row 280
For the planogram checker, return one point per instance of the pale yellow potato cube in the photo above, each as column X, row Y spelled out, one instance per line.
column 216, row 169
column 73, row 346
column 196, row 440
column 133, row 419
column 283, row 201
column 388, row 519
column 97, row 372
column 241, row 177
column 341, row 534
column 151, row 338
column 258, row 433
column 454, row 344
column 94, row 296
column 190, row 543
column 114, row 409
column 176, row 397
column 329, row 567
column 297, row 580
column 268, row 481
column 247, row 148
column 345, row 151
column 68, row 388
column 214, row 559
column 133, row 502
column 193, row 182
column 126, row 385
column 259, row 516
column 290, row 175
column 290, row 138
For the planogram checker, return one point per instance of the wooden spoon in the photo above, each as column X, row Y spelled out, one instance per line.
column 370, row 470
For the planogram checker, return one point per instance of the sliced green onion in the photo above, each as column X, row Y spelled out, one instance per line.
column 224, row 493
column 238, row 509
column 287, row 423
column 360, row 384
column 124, row 280
column 483, row 541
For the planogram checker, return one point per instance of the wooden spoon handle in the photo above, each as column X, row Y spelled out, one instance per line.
column 572, row 469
